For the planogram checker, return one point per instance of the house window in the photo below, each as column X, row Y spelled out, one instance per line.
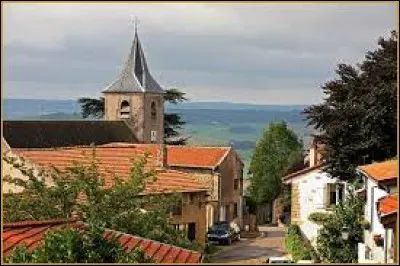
column 331, row 195
column 235, row 210
column 176, row 209
column 335, row 193
column 125, row 110
column 235, row 184
column 153, row 111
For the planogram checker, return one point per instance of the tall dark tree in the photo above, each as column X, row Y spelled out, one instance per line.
column 173, row 122
column 358, row 118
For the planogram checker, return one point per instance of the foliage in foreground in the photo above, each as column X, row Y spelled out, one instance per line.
column 80, row 191
column 330, row 245
column 77, row 246
column 295, row 244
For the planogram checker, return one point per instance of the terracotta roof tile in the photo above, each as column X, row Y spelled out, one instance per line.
column 382, row 171
column 32, row 234
column 189, row 156
column 388, row 204
column 114, row 160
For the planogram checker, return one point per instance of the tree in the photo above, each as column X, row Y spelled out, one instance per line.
column 330, row 245
column 77, row 246
column 80, row 192
column 172, row 121
column 358, row 119
column 274, row 153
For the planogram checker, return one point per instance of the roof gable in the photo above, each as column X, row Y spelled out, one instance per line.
column 302, row 172
column 382, row 171
column 388, row 204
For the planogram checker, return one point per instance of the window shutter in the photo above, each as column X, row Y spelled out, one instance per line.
column 320, row 196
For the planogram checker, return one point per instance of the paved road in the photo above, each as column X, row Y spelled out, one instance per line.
column 255, row 250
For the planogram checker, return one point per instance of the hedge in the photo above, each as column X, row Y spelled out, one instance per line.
column 295, row 244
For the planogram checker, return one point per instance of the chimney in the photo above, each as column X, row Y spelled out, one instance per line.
column 313, row 156
column 162, row 156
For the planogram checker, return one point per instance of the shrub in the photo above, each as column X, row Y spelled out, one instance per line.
column 320, row 217
column 295, row 244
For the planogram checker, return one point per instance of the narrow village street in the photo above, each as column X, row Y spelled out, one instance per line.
column 270, row 243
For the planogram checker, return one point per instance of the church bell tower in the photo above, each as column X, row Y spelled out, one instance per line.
column 137, row 98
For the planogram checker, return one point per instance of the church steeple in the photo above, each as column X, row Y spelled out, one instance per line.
column 136, row 98
column 135, row 75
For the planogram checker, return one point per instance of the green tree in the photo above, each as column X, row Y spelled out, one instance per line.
column 80, row 191
column 358, row 119
column 273, row 156
column 173, row 122
column 330, row 245
column 77, row 246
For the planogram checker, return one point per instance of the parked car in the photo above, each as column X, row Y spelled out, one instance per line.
column 223, row 233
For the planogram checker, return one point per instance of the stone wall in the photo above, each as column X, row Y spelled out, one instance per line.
column 295, row 209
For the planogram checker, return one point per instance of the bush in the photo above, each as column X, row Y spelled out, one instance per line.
column 295, row 244
column 330, row 245
column 320, row 217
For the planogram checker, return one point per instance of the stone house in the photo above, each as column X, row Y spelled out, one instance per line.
column 221, row 170
column 380, row 192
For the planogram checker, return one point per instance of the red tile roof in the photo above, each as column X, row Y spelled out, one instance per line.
column 302, row 172
column 113, row 160
column 207, row 157
column 388, row 204
column 188, row 156
column 32, row 234
column 382, row 171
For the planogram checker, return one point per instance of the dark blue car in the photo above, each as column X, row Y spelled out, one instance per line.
column 222, row 233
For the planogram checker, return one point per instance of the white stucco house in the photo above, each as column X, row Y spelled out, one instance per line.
column 380, row 192
column 312, row 190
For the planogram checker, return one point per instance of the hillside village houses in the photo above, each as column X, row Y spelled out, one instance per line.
column 210, row 178
column 381, row 197
column 314, row 190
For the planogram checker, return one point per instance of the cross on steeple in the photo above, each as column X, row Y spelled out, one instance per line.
column 135, row 22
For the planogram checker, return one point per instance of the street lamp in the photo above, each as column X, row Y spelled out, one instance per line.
column 345, row 233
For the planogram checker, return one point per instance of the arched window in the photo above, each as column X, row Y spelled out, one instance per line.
column 153, row 110
column 125, row 110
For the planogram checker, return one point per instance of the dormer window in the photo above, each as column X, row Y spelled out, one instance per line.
column 125, row 110
column 153, row 110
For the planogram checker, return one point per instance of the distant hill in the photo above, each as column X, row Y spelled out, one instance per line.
column 20, row 108
column 207, row 123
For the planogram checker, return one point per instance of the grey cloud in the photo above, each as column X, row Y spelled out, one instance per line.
column 226, row 48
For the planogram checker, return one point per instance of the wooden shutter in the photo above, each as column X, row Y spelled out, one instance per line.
column 320, row 198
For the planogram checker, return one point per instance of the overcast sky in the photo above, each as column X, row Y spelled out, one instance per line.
column 254, row 53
